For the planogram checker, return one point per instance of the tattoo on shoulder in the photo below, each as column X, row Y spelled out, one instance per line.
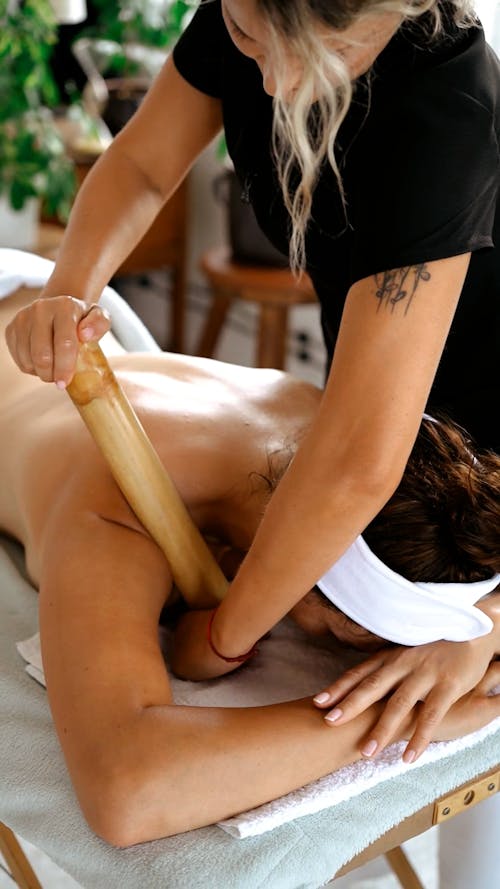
column 400, row 286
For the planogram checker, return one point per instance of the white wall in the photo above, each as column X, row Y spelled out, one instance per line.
column 489, row 13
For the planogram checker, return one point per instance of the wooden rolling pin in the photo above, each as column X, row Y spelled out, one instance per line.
column 143, row 479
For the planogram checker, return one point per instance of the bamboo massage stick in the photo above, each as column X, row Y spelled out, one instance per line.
column 143, row 479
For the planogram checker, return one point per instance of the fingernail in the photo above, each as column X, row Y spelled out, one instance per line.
column 60, row 384
column 369, row 748
column 322, row 698
column 334, row 715
column 409, row 756
column 88, row 333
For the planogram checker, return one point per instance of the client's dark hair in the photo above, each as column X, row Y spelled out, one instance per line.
column 442, row 523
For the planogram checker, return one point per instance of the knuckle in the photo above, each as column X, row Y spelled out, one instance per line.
column 403, row 658
column 42, row 358
column 351, row 677
column 66, row 343
column 431, row 716
column 449, row 690
column 45, row 376
column 401, row 700
column 371, row 682
column 39, row 307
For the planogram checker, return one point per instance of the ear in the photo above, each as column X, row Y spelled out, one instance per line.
column 310, row 615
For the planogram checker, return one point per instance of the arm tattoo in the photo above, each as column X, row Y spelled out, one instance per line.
column 399, row 285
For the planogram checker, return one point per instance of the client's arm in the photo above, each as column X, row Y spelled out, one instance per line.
column 142, row 767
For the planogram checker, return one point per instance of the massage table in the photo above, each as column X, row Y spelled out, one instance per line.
column 37, row 801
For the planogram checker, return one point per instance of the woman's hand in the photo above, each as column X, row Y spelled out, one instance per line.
column 438, row 674
column 474, row 710
column 44, row 337
column 192, row 656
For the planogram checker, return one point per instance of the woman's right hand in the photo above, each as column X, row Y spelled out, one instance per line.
column 475, row 709
column 44, row 337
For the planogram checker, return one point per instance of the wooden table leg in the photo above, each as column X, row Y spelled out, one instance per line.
column 213, row 325
column 177, row 308
column 271, row 348
column 402, row 868
column 18, row 864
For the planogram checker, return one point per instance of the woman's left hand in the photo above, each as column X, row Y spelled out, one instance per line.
column 438, row 674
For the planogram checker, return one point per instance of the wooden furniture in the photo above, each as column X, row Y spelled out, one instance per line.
column 19, row 867
column 274, row 290
column 162, row 247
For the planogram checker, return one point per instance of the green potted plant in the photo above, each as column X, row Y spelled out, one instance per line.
column 151, row 23
column 124, row 50
column 34, row 166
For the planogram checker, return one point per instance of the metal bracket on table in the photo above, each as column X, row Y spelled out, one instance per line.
column 464, row 799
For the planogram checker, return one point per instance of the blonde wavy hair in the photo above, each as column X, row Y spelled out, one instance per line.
column 306, row 123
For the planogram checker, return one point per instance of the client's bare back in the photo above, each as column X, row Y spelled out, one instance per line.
column 214, row 426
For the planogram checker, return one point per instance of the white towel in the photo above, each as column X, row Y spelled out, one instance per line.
column 289, row 666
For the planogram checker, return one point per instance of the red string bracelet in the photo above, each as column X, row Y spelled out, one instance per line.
column 229, row 660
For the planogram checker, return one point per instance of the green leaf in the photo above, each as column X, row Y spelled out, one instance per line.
column 19, row 194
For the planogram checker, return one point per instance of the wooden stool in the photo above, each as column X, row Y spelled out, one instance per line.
column 275, row 290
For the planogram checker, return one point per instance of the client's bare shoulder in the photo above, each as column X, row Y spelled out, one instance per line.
column 212, row 424
column 263, row 390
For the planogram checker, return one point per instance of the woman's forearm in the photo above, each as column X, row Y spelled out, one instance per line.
column 125, row 190
column 113, row 209
column 355, row 453
column 327, row 497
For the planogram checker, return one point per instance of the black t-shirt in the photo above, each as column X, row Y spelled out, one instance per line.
column 419, row 159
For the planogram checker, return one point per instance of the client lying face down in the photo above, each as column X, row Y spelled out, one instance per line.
column 141, row 766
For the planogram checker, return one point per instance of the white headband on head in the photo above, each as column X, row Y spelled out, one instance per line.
column 396, row 609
